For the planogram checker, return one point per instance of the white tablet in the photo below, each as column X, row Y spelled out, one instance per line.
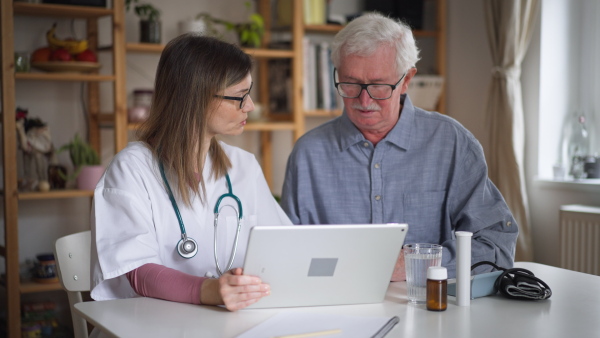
column 312, row 265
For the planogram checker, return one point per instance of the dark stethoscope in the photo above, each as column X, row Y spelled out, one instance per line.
column 187, row 247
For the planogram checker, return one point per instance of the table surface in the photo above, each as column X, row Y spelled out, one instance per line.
column 572, row 311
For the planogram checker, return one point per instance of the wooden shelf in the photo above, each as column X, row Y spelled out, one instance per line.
column 53, row 194
column 322, row 113
column 32, row 287
column 336, row 28
column 251, row 125
column 64, row 77
column 323, row 28
column 269, row 126
column 269, row 53
column 134, row 47
column 23, row 8
column 133, row 126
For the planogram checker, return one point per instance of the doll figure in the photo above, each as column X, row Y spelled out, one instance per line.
column 34, row 140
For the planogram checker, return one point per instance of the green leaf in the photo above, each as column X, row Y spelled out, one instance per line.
column 257, row 18
column 81, row 153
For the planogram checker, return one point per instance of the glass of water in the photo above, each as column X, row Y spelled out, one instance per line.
column 417, row 258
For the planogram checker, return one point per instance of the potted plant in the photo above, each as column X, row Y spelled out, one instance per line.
column 249, row 33
column 150, row 28
column 86, row 163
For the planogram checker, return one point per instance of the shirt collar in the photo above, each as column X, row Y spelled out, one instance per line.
column 400, row 135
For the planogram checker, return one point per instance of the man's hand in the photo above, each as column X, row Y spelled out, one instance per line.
column 399, row 270
column 234, row 290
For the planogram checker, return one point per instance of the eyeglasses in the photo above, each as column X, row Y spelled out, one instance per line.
column 375, row 91
column 235, row 98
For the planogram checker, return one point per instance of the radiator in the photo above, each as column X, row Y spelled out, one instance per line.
column 580, row 238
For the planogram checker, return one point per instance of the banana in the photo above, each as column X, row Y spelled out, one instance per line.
column 73, row 46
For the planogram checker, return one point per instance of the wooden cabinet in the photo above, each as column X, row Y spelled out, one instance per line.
column 11, row 11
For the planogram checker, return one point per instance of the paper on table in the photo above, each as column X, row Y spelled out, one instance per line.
column 293, row 323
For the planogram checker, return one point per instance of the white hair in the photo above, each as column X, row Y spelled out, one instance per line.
column 365, row 34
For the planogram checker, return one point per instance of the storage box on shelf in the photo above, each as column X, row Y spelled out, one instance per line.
column 11, row 195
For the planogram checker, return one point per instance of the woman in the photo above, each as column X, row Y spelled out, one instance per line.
column 159, row 194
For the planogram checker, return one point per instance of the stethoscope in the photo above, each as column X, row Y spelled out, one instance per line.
column 187, row 247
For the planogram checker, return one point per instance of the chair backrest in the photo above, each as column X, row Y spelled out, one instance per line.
column 72, row 254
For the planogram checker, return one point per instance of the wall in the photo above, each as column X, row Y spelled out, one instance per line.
column 468, row 66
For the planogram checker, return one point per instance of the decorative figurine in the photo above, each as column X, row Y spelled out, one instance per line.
column 34, row 140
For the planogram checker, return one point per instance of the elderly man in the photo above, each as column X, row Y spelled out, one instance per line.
column 385, row 160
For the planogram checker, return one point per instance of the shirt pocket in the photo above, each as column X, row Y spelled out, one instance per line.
column 424, row 213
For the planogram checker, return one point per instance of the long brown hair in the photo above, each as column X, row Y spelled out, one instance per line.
column 191, row 71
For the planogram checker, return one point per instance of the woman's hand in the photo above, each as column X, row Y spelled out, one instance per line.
column 234, row 290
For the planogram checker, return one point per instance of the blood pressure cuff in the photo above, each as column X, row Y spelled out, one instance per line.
column 518, row 283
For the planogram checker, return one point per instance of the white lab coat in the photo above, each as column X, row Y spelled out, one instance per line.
column 133, row 221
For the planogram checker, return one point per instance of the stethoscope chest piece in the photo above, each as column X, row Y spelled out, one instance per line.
column 187, row 247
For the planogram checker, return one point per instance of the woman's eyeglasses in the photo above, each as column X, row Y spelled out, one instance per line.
column 235, row 98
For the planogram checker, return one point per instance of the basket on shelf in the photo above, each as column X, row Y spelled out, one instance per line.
column 425, row 91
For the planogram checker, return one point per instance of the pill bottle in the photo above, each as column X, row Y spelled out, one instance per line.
column 437, row 288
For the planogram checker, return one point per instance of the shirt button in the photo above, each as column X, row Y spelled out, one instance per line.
column 508, row 224
column 376, row 165
column 366, row 144
column 377, row 198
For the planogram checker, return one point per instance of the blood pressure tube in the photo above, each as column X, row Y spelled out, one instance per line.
column 463, row 268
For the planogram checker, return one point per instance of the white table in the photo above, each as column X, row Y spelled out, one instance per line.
column 572, row 311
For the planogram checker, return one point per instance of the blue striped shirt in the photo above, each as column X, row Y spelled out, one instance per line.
column 429, row 172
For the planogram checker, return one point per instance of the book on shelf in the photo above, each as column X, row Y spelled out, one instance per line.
column 315, row 12
column 319, row 70
column 319, row 89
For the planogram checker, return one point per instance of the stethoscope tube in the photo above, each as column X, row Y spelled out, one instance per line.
column 239, row 226
column 187, row 247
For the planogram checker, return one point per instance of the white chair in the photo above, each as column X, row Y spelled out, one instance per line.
column 72, row 254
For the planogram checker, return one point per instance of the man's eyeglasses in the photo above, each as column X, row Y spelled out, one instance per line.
column 235, row 98
column 375, row 91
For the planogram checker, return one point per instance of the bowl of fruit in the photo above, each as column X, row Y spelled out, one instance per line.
column 66, row 55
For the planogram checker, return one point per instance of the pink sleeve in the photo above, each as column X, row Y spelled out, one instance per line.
column 158, row 281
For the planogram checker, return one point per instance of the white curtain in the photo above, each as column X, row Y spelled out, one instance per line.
column 509, row 27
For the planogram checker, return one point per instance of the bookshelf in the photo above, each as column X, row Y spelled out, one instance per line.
column 11, row 12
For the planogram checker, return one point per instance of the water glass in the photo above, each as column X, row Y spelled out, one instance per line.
column 418, row 257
